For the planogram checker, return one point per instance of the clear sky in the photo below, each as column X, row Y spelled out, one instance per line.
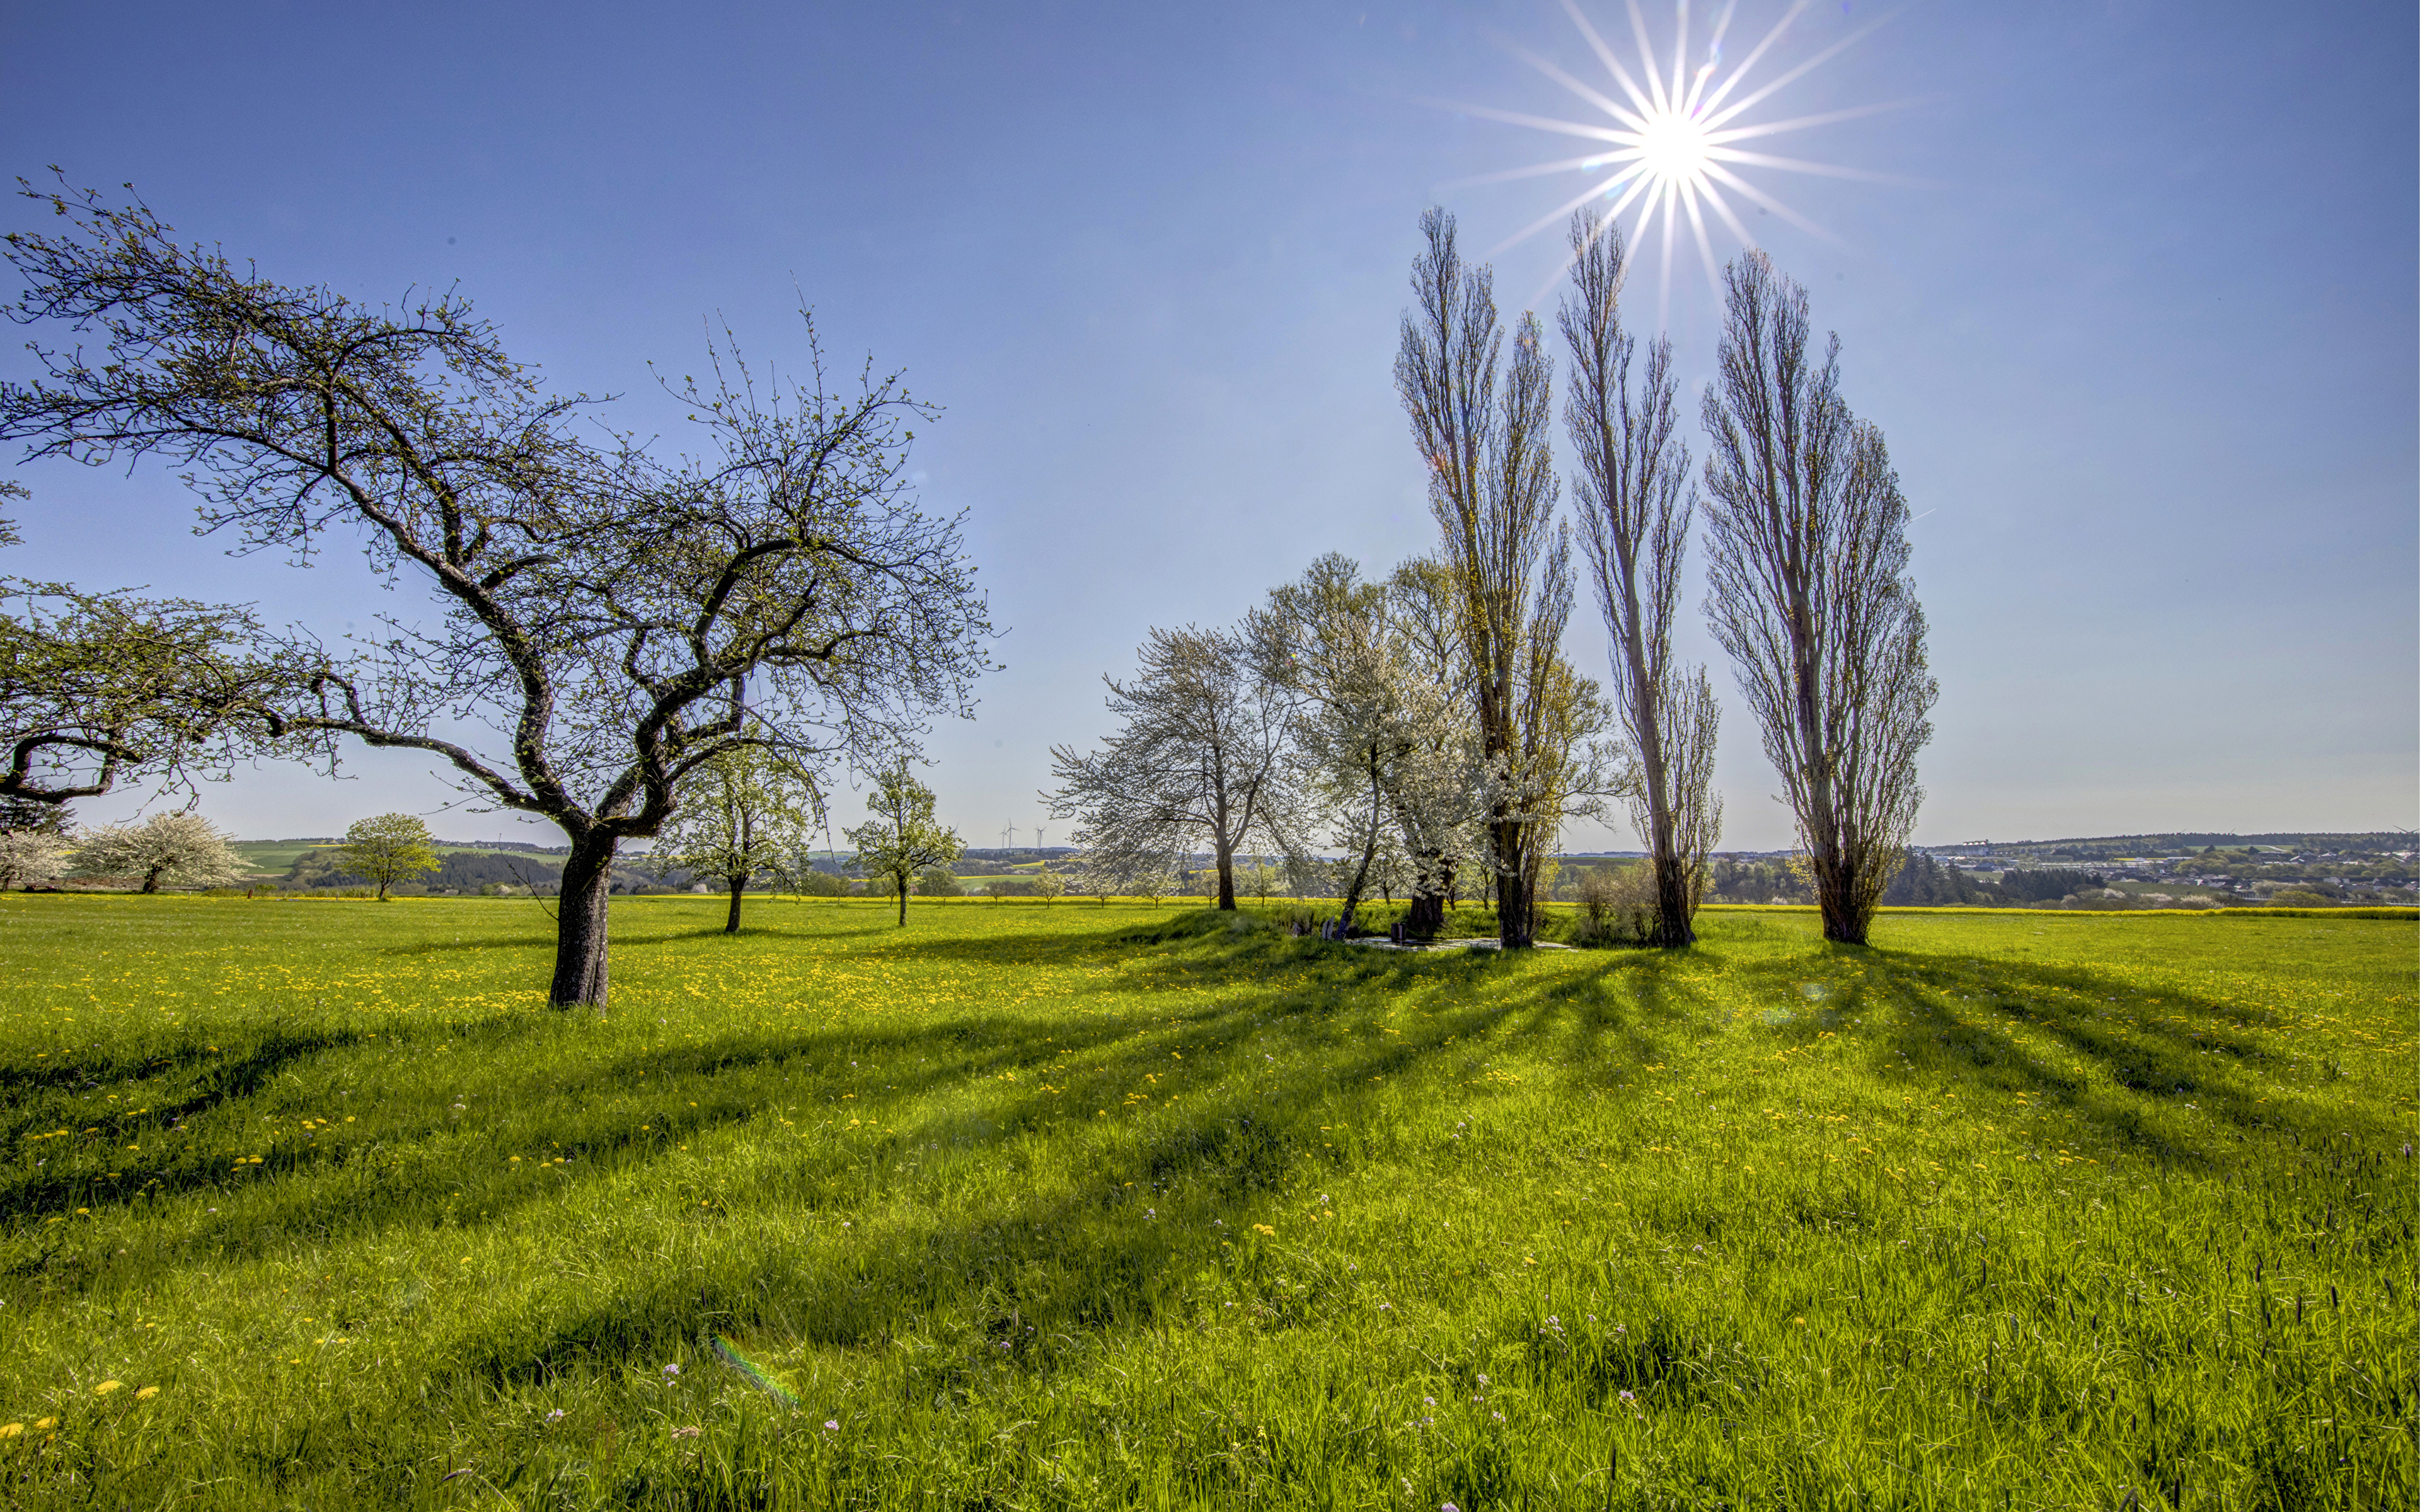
column 2133, row 298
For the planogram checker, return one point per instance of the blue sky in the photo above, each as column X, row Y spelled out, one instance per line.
column 2134, row 307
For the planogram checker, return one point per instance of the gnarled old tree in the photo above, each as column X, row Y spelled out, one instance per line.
column 1636, row 505
column 1199, row 762
column 615, row 618
column 103, row 687
column 1492, row 487
column 1807, row 539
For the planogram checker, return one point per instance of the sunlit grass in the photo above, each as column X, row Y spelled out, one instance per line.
column 1030, row 1206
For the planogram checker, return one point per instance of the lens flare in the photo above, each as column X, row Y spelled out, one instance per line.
column 1671, row 134
column 749, row 1372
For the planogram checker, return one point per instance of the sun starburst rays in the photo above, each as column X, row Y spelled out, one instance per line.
column 1675, row 136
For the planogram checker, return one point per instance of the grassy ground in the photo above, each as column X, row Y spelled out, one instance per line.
column 313, row 1205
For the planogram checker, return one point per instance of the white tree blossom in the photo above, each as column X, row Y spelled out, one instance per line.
column 175, row 850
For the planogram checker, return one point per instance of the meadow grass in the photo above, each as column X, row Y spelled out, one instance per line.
column 317, row 1205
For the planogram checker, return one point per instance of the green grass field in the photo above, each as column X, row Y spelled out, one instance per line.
column 313, row 1205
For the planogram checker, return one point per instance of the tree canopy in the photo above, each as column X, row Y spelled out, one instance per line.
column 387, row 849
column 174, row 850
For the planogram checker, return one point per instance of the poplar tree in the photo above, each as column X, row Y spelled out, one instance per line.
column 1481, row 422
column 1807, row 533
column 1636, row 505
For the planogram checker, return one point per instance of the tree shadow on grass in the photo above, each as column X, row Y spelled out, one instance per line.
column 2149, row 1055
column 1176, row 1186
column 155, row 1093
column 408, row 1176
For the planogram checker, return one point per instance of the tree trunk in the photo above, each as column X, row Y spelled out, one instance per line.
column 580, row 926
column 1835, row 894
column 151, row 879
column 1426, row 916
column 739, row 885
column 1673, row 928
column 1226, row 873
column 899, row 880
column 1369, row 855
column 1515, row 929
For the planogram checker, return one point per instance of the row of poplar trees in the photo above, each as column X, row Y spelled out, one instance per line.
column 1433, row 714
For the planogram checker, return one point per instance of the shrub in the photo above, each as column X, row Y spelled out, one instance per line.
column 811, row 882
column 1617, row 907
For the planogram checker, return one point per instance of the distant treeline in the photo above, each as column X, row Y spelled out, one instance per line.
column 457, row 872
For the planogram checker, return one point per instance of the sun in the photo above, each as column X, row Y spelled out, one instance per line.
column 1669, row 137
column 1675, row 148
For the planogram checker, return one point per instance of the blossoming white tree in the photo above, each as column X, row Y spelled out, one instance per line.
column 175, row 850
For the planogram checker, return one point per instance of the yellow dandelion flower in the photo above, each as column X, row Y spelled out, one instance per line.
column 147, row 1394
column 1263, row 1228
column 44, row 1424
column 9, row 1431
column 106, row 1387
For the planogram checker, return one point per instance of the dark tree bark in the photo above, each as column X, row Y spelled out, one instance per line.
column 739, row 885
column 580, row 939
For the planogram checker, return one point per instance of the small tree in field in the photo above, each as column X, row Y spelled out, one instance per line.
column 388, row 849
column 33, row 842
column 1048, row 886
column 179, row 850
column 1200, row 760
column 742, row 814
column 903, row 838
